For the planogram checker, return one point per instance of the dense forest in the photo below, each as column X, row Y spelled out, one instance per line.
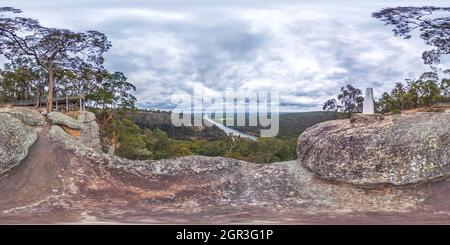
column 293, row 124
column 143, row 134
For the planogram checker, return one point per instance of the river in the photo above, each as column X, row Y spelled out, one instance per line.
column 230, row 131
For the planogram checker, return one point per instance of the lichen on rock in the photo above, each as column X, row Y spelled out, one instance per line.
column 27, row 116
column 15, row 139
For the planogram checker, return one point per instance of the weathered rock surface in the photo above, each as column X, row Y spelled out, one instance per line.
column 64, row 181
column 90, row 135
column 15, row 139
column 85, row 185
column 58, row 118
column 27, row 116
column 81, row 125
column 401, row 149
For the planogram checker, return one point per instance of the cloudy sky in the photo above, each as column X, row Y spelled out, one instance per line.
column 304, row 49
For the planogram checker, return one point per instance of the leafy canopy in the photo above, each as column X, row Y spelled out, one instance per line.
column 432, row 24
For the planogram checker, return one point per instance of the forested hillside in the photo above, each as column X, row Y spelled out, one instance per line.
column 293, row 124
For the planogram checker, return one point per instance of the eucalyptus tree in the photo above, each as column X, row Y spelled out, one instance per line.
column 115, row 92
column 331, row 105
column 428, row 88
column 445, row 85
column 51, row 49
column 20, row 80
column 350, row 100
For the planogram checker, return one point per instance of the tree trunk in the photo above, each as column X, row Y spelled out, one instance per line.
column 50, row 89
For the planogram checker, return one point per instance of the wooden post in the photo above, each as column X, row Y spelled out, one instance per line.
column 56, row 104
column 67, row 104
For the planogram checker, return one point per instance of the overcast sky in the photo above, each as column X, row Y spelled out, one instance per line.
column 306, row 50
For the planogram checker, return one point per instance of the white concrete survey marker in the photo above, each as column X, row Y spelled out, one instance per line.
column 369, row 102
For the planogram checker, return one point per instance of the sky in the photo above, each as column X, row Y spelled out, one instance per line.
column 306, row 50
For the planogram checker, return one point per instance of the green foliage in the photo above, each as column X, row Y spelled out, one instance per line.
column 426, row 21
column 17, row 81
column 114, row 92
column 350, row 100
column 293, row 124
column 133, row 142
column 424, row 91
column 50, row 50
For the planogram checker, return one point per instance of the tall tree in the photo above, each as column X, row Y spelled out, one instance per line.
column 385, row 103
column 398, row 96
column 433, row 24
column 350, row 100
column 114, row 92
column 331, row 105
column 20, row 80
column 428, row 88
column 445, row 85
column 50, row 48
column 23, row 74
column 412, row 86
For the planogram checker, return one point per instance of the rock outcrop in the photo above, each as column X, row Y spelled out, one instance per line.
column 58, row 118
column 15, row 139
column 402, row 149
column 81, row 125
column 27, row 116
column 90, row 134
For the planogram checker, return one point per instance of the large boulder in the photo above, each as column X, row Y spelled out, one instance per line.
column 58, row 118
column 15, row 139
column 27, row 116
column 81, row 125
column 401, row 149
